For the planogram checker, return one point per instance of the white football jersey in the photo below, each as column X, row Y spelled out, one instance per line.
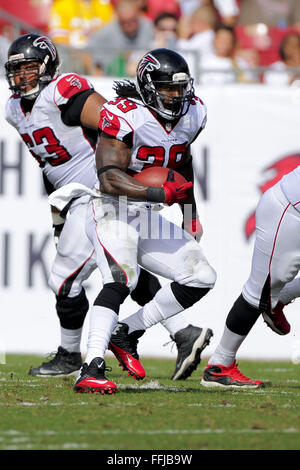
column 290, row 185
column 151, row 143
column 65, row 153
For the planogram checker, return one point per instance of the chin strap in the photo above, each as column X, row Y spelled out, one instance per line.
column 32, row 94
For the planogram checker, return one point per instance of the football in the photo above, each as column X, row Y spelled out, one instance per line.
column 157, row 175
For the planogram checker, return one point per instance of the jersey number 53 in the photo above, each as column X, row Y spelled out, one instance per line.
column 51, row 144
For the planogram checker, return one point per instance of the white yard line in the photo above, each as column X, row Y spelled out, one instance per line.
column 149, row 432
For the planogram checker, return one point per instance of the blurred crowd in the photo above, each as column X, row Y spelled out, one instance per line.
column 223, row 41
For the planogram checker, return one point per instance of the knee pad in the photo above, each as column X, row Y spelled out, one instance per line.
column 242, row 317
column 187, row 296
column 206, row 275
column 72, row 310
column 146, row 288
column 112, row 296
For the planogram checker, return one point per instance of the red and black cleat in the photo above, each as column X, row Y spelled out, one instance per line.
column 124, row 347
column 93, row 380
column 217, row 375
column 277, row 321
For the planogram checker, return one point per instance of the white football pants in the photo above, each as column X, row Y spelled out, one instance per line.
column 74, row 261
column 130, row 238
column 276, row 256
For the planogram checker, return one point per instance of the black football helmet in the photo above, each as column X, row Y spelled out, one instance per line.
column 32, row 48
column 160, row 71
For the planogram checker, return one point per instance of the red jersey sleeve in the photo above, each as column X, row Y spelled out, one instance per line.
column 113, row 123
column 68, row 86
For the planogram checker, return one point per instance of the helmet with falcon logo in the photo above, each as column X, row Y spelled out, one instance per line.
column 164, row 83
column 32, row 63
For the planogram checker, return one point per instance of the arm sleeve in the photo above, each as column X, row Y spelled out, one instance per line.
column 71, row 90
column 115, row 126
column 71, row 111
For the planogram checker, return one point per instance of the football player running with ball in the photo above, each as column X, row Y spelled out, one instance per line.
column 151, row 124
column 57, row 117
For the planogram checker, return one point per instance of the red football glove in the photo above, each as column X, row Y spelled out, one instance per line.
column 194, row 227
column 175, row 192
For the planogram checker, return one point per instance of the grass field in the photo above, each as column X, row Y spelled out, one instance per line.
column 157, row 413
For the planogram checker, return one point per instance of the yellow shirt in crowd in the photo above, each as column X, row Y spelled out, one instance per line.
column 73, row 21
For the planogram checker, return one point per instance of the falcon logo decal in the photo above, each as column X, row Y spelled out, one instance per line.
column 75, row 82
column 44, row 43
column 105, row 123
column 281, row 167
column 147, row 63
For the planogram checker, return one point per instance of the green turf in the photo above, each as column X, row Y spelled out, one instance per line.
column 156, row 413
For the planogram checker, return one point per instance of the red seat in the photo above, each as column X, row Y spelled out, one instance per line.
column 35, row 14
column 265, row 39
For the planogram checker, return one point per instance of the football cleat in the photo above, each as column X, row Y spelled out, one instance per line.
column 124, row 347
column 63, row 363
column 228, row 377
column 277, row 320
column 190, row 342
column 93, row 380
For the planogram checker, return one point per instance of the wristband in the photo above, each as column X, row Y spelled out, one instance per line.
column 106, row 168
column 155, row 194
